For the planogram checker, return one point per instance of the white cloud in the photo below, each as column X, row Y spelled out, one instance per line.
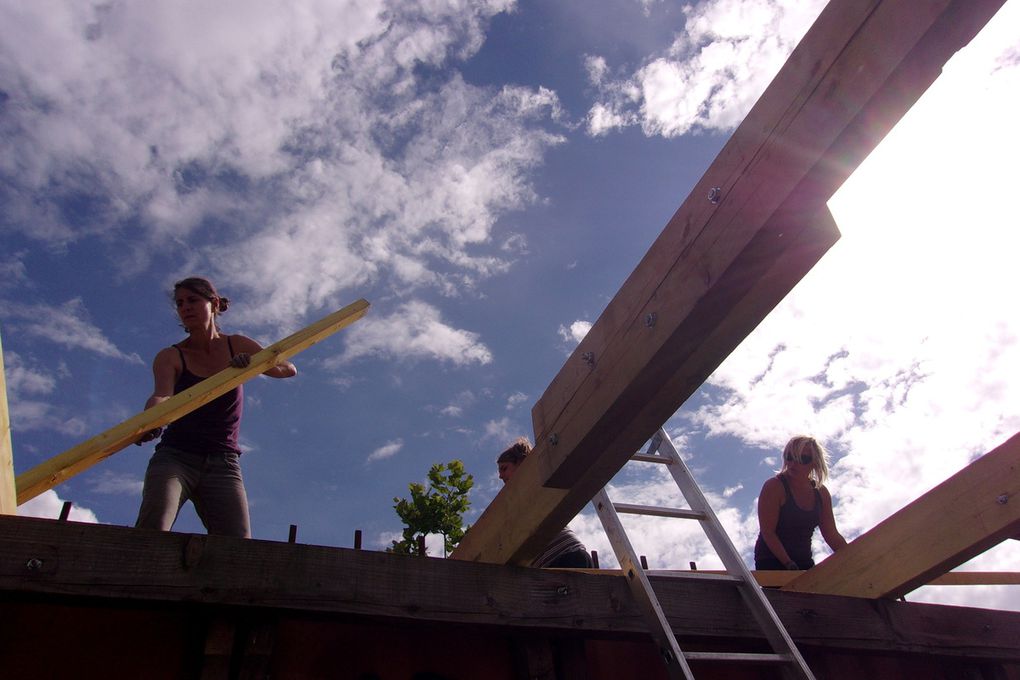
column 456, row 407
column 414, row 331
column 22, row 379
column 500, row 430
column 48, row 505
column 515, row 243
column 387, row 450
column 116, row 483
column 13, row 272
column 574, row 333
column 66, row 325
column 303, row 138
column 710, row 76
column 27, row 415
column 515, row 399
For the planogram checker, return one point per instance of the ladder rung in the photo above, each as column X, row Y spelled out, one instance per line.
column 650, row 458
column 738, row 656
column 658, row 511
column 693, row 575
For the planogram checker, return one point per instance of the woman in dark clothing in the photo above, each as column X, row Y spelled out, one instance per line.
column 197, row 458
column 565, row 550
column 791, row 505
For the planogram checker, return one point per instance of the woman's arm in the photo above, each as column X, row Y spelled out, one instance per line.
column 245, row 347
column 827, row 522
column 164, row 375
column 769, row 501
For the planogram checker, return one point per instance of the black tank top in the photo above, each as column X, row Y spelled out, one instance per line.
column 794, row 528
column 212, row 427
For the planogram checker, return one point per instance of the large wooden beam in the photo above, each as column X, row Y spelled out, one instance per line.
column 778, row 579
column 120, row 566
column 83, row 456
column 721, row 265
column 8, row 493
column 970, row 512
column 526, row 514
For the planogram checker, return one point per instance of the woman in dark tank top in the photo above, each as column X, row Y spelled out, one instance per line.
column 197, row 458
column 791, row 505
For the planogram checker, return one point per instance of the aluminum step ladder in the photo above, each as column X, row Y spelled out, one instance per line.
column 661, row 450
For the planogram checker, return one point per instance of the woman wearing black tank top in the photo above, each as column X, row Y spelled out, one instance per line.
column 197, row 458
column 791, row 505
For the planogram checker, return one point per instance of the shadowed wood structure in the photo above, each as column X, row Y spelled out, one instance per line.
column 748, row 232
column 169, row 605
column 183, row 605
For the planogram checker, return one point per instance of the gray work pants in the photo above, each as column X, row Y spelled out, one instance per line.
column 212, row 481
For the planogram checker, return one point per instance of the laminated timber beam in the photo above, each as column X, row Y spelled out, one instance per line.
column 967, row 514
column 751, row 228
column 83, row 456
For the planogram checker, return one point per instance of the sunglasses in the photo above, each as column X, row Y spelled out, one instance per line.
column 803, row 459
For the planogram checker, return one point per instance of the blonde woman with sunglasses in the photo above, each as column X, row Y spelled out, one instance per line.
column 791, row 505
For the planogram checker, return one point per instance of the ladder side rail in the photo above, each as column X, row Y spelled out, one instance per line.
column 759, row 605
column 641, row 588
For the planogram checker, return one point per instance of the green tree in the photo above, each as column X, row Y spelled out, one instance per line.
column 436, row 509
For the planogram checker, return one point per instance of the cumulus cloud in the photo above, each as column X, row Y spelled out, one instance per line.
column 67, row 325
column 515, row 399
column 13, row 272
column 456, row 407
column 500, row 430
column 575, row 332
column 29, row 414
column 48, row 505
column 710, row 76
column 387, row 450
column 23, row 379
column 414, row 331
column 117, row 484
column 310, row 142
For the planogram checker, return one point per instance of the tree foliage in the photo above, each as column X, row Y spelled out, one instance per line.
column 435, row 509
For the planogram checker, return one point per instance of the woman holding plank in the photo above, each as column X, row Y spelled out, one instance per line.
column 198, row 455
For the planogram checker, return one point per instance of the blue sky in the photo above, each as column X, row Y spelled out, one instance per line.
column 486, row 174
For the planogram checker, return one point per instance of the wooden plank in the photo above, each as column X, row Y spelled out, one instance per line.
column 120, row 566
column 855, row 73
column 525, row 515
column 83, row 456
column 970, row 512
column 778, row 579
column 8, row 490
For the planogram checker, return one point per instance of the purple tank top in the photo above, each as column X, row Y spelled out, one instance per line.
column 211, row 428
